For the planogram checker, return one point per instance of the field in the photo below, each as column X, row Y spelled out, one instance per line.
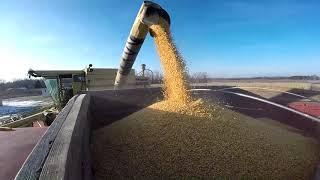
column 270, row 88
column 22, row 106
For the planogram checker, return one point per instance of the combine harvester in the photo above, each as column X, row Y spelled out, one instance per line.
column 63, row 152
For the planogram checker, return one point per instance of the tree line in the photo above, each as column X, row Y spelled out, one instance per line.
column 22, row 83
column 197, row 77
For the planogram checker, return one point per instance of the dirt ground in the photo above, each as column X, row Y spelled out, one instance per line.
column 271, row 88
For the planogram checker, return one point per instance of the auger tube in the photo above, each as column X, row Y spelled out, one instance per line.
column 149, row 14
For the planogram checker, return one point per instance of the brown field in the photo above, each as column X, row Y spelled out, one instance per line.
column 272, row 88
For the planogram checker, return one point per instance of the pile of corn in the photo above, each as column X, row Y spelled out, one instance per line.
column 182, row 137
column 169, row 141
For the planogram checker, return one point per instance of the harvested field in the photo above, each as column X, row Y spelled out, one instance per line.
column 164, row 140
column 270, row 88
column 280, row 85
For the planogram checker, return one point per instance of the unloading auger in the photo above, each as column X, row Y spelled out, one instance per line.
column 149, row 14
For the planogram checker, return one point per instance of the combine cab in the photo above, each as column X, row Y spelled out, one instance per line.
column 63, row 84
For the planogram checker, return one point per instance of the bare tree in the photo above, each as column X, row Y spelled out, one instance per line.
column 2, row 83
column 157, row 77
column 22, row 83
column 199, row 77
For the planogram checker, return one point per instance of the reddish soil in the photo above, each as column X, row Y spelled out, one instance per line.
column 311, row 108
column 15, row 146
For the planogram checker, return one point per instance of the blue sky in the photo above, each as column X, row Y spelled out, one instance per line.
column 224, row 38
